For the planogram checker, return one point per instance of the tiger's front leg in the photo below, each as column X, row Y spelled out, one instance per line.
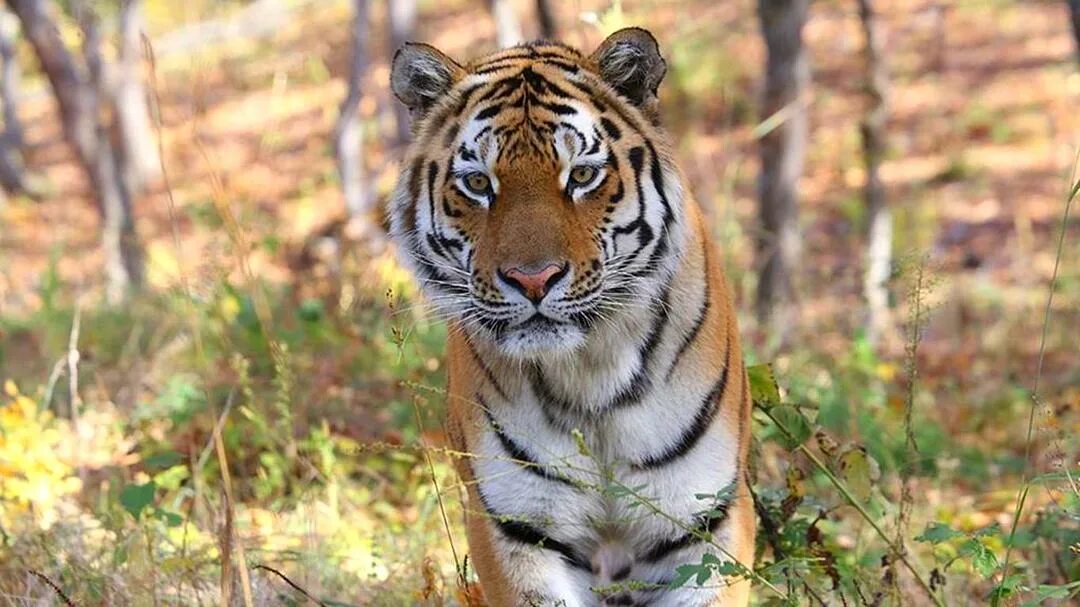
column 514, row 574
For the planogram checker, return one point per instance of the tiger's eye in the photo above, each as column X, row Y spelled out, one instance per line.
column 478, row 182
column 582, row 175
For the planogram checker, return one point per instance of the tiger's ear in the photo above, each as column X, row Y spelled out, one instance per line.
column 420, row 75
column 629, row 60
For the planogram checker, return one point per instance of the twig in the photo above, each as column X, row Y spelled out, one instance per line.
column 74, row 400
column 911, row 449
column 846, row 493
column 699, row 534
column 438, row 494
column 52, row 585
column 148, row 51
column 73, row 368
column 50, row 386
column 205, row 455
column 1025, row 484
column 245, row 580
column 291, row 583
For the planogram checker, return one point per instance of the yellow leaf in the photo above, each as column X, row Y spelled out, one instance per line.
column 886, row 371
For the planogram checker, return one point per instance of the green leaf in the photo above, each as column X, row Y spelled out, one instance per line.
column 860, row 471
column 1045, row 592
column 794, row 428
column 936, row 533
column 311, row 310
column 135, row 498
column 120, row 555
column 683, row 573
column 763, row 389
column 994, row 529
column 160, row 461
column 1007, row 588
column 982, row 558
column 703, row 575
column 171, row 519
column 172, row 478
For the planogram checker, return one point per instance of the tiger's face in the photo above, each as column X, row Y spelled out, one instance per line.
column 538, row 199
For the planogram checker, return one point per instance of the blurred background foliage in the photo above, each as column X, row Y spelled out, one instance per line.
column 269, row 404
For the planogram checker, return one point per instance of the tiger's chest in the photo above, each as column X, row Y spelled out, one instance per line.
column 621, row 485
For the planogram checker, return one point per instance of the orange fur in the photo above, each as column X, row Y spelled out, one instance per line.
column 531, row 220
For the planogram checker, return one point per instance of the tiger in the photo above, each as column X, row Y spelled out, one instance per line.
column 596, row 391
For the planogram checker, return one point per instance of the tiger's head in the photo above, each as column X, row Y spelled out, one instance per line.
column 538, row 200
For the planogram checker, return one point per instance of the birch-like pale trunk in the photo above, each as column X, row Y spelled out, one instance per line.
column 782, row 150
column 138, row 148
column 78, row 96
column 123, row 252
column 402, row 17
column 348, row 133
column 507, row 25
column 13, row 176
column 878, row 214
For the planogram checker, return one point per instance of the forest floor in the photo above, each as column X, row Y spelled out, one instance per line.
column 304, row 348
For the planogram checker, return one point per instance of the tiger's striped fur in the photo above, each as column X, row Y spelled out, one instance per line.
column 608, row 421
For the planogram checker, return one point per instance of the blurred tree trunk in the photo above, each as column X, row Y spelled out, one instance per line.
column 1074, row 12
column 782, row 150
column 348, row 133
column 78, row 97
column 402, row 15
column 507, row 26
column 139, row 153
column 878, row 214
column 13, row 176
column 123, row 252
column 548, row 29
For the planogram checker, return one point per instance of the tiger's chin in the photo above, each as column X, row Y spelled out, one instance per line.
column 540, row 338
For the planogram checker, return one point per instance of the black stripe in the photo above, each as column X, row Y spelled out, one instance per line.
column 642, row 379
column 610, row 128
column 705, row 525
column 702, row 420
column 489, row 111
column 448, row 112
column 451, row 134
column 451, row 244
column 433, row 173
column 548, row 399
column 559, row 109
column 596, row 143
column 639, row 383
column 517, row 453
column 501, row 89
column 486, row 369
column 658, row 182
column 523, row 532
column 428, row 271
column 541, row 84
column 447, row 177
column 637, row 159
column 594, row 95
column 495, row 67
column 699, row 322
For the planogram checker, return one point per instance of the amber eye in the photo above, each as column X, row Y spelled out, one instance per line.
column 582, row 175
column 478, row 183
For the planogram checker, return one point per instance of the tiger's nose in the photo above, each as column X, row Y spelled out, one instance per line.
column 533, row 283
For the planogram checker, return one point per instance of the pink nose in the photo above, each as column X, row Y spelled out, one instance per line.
column 534, row 285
